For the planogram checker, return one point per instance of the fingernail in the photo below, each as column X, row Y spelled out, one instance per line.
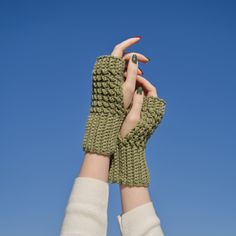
column 139, row 90
column 134, row 58
column 148, row 58
column 141, row 71
column 137, row 36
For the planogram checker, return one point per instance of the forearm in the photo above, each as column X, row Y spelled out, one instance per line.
column 95, row 166
column 132, row 197
column 86, row 213
column 139, row 216
column 138, row 213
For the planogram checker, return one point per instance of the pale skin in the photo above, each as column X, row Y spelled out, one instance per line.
column 97, row 166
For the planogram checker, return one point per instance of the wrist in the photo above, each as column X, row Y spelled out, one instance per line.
column 95, row 166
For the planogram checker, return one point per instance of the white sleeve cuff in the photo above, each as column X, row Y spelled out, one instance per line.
column 140, row 221
column 91, row 189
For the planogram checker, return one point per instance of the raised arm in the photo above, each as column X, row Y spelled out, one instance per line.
column 129, row 167
column 86, row 211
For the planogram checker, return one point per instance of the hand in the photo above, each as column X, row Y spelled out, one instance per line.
column 133, row 80
column 132, row 69
column 133, row 117
column 128, row 165
column 113, row 85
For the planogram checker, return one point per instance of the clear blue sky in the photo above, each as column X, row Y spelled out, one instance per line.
column 47, row 51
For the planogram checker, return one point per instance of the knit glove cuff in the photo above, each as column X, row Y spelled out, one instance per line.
column 107, row 111
column 128, row 165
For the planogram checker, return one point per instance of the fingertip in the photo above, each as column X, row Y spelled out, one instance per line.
column 138, row 96
column 139, row 90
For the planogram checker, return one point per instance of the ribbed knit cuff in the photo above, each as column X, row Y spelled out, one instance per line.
column 129, row 166
column 101, row 133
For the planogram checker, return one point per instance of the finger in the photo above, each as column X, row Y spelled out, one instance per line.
column 132, row 70
column 140, row 72
column 149, row 88
column 121, row 47
column 137, row 103
column 140, row 56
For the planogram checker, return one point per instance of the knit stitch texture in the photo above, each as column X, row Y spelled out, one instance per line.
column 107, row 110
column 128, row 164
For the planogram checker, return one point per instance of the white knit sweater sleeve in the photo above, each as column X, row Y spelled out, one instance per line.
column 140, row 221
column 86, row 211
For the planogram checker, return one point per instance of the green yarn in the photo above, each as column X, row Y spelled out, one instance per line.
column 107, row 110
column 128, row 165
column 106, row 115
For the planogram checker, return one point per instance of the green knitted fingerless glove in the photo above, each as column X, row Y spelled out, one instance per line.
column 107, row 111
column 128, row 165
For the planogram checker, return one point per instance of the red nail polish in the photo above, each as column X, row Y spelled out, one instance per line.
column 137, row 36
column 141, row 71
